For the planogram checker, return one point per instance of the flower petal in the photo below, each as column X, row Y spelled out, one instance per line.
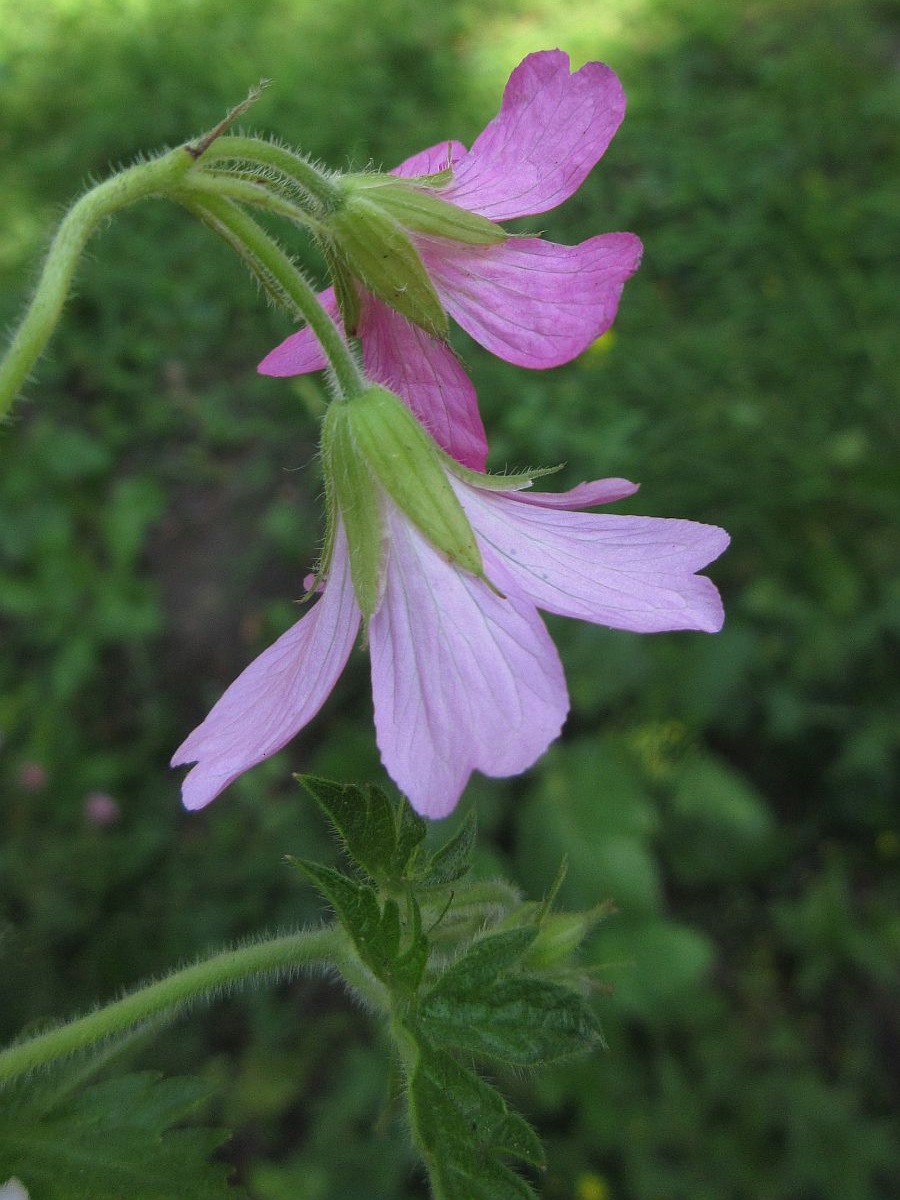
column 531, row 302
column 462, row 679
column 279, row 693
column 301, row 353
column 583, row 495
column 427, row 375
column 431, row 161
column 632, row 573
column 551, row 130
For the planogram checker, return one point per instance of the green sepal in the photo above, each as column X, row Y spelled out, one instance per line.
column 517, row 481
column 408, row 465
column 377, row 252
column 344, row 290
column 380, row 837
column 413, row 208
column 437, row 179
column 351, row 487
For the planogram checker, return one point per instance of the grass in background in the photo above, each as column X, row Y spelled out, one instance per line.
column 159, row 506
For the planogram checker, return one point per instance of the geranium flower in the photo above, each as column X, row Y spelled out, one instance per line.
column 465, row 676
column 527, row 300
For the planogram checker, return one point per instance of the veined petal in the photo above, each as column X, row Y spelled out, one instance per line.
column 425, row 373
column 301, row 353
column 462, row 679
column 279, row 693
column 627, row 572
column 551, row 130
column 429, row 162
column 531, row 302
column 583, row 495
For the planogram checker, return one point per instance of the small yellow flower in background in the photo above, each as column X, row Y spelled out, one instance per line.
column 590, row 1186
column 601, row 346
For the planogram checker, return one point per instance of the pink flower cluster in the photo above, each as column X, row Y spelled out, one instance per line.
column 464, row 674
column 527, row 300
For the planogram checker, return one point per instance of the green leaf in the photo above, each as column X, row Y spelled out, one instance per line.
column 518, row 1019
column 376, row 932
column 521, row 1021
column 380, row 837
column 454, row 858
column 355, row 905
column 110, row 1141
column 464, row 1128
column 484, row 961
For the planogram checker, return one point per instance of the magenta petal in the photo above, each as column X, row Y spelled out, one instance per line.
column 551, row 130
column 462, row 679
column 277, row 694
column 531, row 302
column 632, row 573
column 427, row 375
column 301, row 353
column 430, row 161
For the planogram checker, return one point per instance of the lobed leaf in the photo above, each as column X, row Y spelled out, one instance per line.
column 112, row 1140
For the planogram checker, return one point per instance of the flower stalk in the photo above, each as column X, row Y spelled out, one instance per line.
column 278, row 956
column 257, row 248
column 155, row 178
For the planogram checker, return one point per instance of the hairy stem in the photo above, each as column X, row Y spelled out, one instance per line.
column 314, row 183
column 202, row 980
column 226, row 216
column 156, row 177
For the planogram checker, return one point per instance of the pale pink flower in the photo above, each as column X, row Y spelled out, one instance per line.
column 464, row 677
column 527, row 300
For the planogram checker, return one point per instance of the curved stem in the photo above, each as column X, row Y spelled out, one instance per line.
column 227, row 216
column 201, row 980
column 314, row 182
column 135, row 183
column 246, row 191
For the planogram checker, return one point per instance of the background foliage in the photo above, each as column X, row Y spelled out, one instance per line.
column 159, row 507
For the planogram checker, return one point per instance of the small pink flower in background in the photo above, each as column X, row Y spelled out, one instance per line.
column 32, row 777
column 464, row 678
column 529, row 301
column 101, row 810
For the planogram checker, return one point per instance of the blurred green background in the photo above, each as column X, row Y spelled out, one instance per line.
column 159, row 508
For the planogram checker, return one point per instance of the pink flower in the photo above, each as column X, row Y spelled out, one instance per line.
column 527, row 300
column 464, row 677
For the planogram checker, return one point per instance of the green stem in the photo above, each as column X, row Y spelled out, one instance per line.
column 146, row 179
column 310, row 179
column 201, row 980
column 246, row 191
column 240, row 228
